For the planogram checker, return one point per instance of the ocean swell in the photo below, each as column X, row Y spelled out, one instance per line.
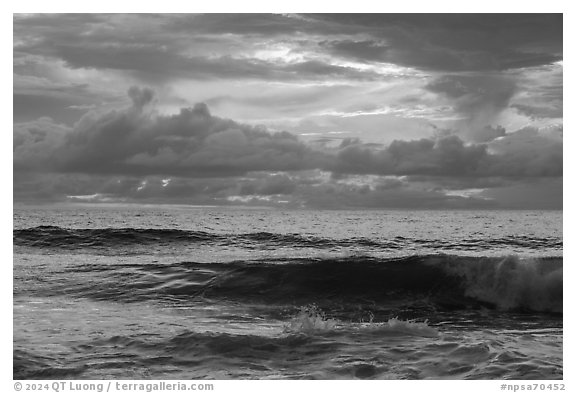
column 54, row 237
column 442, row 282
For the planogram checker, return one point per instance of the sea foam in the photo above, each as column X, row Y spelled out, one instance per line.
column 311, row 320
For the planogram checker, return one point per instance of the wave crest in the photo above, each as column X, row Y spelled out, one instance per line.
column 431, row 282
column 512, row 283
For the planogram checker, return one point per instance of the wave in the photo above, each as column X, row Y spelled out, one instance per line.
column 54, row 236
column 436, row 282
column 511, row 283
column 82, row 239
column 394, row 349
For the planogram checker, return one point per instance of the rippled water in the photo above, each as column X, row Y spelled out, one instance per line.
column 172, row 292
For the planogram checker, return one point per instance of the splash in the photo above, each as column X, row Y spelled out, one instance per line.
column 408, row 327
column 310, row 319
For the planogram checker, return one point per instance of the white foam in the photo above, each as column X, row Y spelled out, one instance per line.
column 311, row 320
column 408, row 327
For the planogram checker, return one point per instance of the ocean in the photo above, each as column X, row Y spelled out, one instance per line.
column 175, row 292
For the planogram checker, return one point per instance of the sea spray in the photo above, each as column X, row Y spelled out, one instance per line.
column 511, row 283
column 408, row 327
column 310, row 320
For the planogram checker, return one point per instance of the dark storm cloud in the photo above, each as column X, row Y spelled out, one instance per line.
column 475, row 91
column 452, row 42
column 445, row 157
column 479, row 99
column 194, row 143
column 35, row 142
column 137, row 140
column 528, row 153
column 137, row 154
column 522, row 154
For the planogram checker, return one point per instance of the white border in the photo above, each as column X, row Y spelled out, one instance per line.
column 168, row 6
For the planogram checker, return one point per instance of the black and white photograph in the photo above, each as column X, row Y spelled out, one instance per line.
column 271, row 196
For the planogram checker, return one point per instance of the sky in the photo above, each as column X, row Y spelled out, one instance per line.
column 336, row 111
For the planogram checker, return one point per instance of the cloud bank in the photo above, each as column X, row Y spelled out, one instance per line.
column 137, row 153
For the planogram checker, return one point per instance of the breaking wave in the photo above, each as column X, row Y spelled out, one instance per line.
column 441, row 282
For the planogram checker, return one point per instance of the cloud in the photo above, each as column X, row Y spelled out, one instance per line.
column 479, row 99
column 445, row 42
column 236, row 59
column 35, row 143
column 30, row 107
column 264, row 25
column 447, row 156
column 36, row 94
column 274, row 184
column 140, row 96
column 525, row 153
column 302, row 189
column 194, row 143
column 136, row 153
column 137, row 140
column 154, row 63
column 451, row 42
column 434, row 106
column 168, row 46
column 541, row 92
column 548, row 110
column 406, row 197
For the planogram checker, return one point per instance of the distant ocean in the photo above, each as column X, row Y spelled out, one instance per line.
column 169, row 292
